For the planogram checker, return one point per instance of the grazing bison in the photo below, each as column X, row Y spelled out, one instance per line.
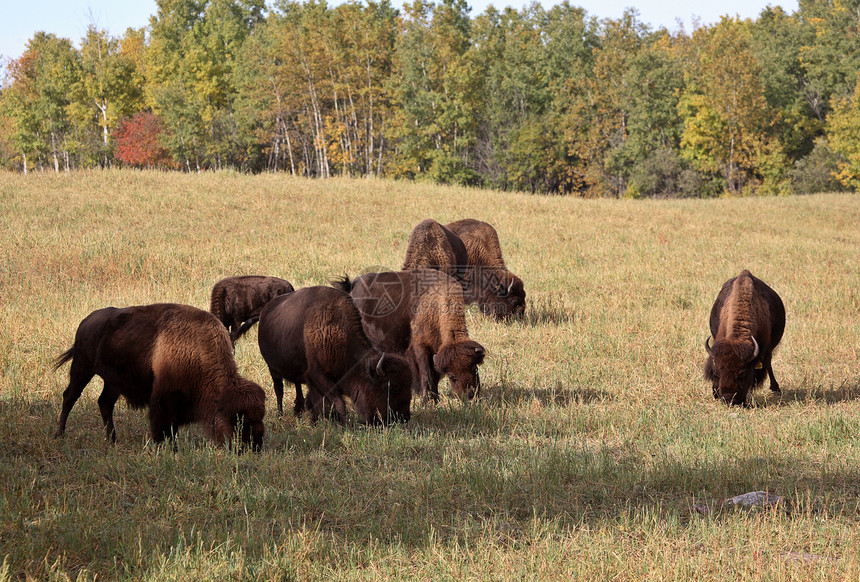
column 497, row 291
column 176, row 359
column 747, row 321
column 314, row 336
column 237, row 300
column 433, row 246
column 420, row 313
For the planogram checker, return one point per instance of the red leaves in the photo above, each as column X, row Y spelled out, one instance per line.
column 138, row 142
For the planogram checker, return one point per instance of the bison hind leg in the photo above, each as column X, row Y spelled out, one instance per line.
column 79, row 377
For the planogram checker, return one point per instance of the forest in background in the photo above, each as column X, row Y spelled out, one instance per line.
column 539, row 100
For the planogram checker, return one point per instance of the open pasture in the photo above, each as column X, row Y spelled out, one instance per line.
column 593, row 440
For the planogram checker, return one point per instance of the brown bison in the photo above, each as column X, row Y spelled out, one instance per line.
column 747, row 322
column 433, row 246
column 420, row 313
column 237, row 300
column 314, row 336
column 175, row 359
column 497, row 291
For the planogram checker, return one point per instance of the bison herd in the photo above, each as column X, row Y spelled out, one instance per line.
column 376, row 340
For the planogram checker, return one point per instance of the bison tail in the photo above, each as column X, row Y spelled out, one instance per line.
column 245, row 327
column 343, row 283
column 63, row 358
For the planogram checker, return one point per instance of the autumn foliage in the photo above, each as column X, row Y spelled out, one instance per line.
column 138, row 142
column 543, row 100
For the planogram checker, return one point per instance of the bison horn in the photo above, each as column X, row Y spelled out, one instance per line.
column 755, row 353
column 708, row 345
column 379, row 370
column 511, row 286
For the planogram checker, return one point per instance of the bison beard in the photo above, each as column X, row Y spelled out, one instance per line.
column 175, row 359
column 314, row 336
column 747, row 321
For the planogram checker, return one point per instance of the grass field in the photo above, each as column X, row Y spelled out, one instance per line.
column 594, row 440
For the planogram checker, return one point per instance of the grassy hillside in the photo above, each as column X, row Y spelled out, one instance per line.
column 594, row 439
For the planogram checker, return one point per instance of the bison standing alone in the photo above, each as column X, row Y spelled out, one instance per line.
column 175, row 359
column 420, row 313
column 747, row 322
column 237, row 300
column 314, row 336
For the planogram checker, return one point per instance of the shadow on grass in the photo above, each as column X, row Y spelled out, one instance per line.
column 847, row 392
column 463, row 473
column 513, row 394
column 541, row 315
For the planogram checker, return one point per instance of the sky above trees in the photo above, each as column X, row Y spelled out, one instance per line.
column 70, row 18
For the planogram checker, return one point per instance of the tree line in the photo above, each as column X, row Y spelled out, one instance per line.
column 540, row 100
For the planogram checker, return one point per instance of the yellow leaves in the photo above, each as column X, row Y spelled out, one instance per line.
column 843, row 130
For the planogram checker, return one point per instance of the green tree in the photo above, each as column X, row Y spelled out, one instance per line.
column 777, row 39
column 527, row 57
column 728, row 127
column 435, row 94
column 831, row 53
column 37, row 100
column 193, row 48
column 110, row 88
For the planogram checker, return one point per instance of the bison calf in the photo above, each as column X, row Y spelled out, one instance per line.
column 420, row 313
column 314, row 336
column 747, row 322
column 237, row 300
column 175, row 359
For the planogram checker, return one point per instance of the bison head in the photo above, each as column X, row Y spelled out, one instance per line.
column 504, row 298
column 459, row 361
column 388, row 390
column 731, row 366
column 242, row 406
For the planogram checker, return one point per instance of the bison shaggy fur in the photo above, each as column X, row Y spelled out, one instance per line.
column 747, row 322
column 433, row 246
column 175, row 359
column 314, row 336
column 421, row 314
column 237, row 300
column 498, row 292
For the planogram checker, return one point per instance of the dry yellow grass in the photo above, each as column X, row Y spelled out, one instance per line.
column 594, row 437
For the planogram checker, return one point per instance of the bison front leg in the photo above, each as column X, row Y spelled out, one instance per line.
column 774, row 385
column 427, row 377
column 299, row 402
column 327, row 399
column 163, row 423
